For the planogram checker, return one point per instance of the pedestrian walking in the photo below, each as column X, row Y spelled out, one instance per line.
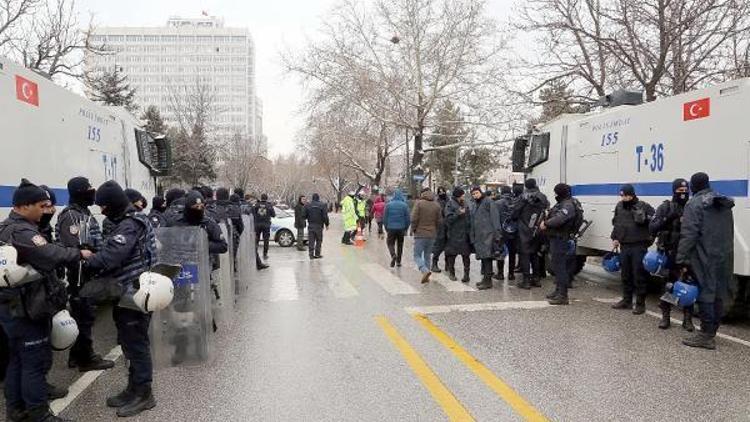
column 706, row 251
column 426, row 218
column 483, row 233
column 300, row 221
column 457, row 225
column 316, row 214
column 631, row 237
column 378, row 209
column 396, row 220
column 440, row 239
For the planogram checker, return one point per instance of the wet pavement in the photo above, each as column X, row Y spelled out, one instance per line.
column 346, row 338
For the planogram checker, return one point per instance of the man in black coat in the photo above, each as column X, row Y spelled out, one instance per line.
column 263, row 212
column 631, row 236
column 559, row 228
column 437, row 248
column 316, row 214
column 299, row 221
column 529, row 212
column 706, row 250
column 483, row 232
column 457, row 223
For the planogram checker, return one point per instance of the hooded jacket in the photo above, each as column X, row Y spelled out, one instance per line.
column 378, row 209
column 426, row 216
column 396, row 213
column 457, row 228
column 349, row 213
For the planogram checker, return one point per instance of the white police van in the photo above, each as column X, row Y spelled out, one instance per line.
column 648, row 145
column 51, row 134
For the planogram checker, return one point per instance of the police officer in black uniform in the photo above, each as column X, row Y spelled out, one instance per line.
column 263, row 212
column 26, row 391
column 175, row 199
column 558, row 228
column 128, row 251
column 316, row 215
column 195, row 215
column 665, row 226
column 137, row 199
column 223, row 210
column 529, row 212
column 74, row 218
column 630, row 234
column 156, row 216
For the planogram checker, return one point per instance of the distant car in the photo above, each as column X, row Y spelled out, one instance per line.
column 283, row 231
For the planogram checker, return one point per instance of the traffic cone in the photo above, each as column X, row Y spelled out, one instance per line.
column 359, row 240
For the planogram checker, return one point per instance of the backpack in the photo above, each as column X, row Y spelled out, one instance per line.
column 578, row 220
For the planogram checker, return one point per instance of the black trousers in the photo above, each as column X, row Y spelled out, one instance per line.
column 83, row 312
column 634, row 276
column 487, row 269
column 560, row 264
column 450, row 263
column 512, row 245
column 314, row 241
column 395, row 242
column 266, row 234
column 530, row 265
column 132, row 331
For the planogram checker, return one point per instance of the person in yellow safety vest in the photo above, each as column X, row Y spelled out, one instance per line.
column 349, row 214
column 361, row 203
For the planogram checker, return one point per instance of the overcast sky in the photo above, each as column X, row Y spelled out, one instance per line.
column 273, row 24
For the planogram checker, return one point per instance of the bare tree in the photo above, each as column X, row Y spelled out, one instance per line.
column 240, row 161
column 12, row 13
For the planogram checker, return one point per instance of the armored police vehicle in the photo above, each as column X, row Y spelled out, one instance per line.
column 51, row 134
column 648, row 145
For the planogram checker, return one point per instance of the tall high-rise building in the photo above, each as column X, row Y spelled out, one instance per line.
column 168, row 64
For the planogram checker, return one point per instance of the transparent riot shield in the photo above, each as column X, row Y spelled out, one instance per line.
column 246, row 263
column 182, row 334
column 222, row 284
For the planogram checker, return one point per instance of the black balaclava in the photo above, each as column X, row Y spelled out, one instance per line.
column 193, row 216
column 28, row 193
column 442, row 194
column 517, row 190
column 159, row 204
column 680, row 198
column 699, row 182
column 222, row 194
column 173, row 195
column 111, row 195
column 47, row 217
column 207, row 192
column 81, row 192
column 629, row 190
column 530, row 183
column 562, row 192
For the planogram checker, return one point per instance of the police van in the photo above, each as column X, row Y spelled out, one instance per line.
column 648, row 145
column 51, row 134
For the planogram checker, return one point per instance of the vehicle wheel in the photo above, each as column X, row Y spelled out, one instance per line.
column 579, row 264
column 738, row 308
column 285, row 238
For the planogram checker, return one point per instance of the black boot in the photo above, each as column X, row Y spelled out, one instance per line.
column 640, row 305
column 558, row 300
column 701, row 340
column 435, row 267
column 451, row 272
column 511, row 276
column 93, row 363
column 524, row 284
column 553, row 294
column 665, row 321
column 500, row 276
column 486, row 283
column 42, row 414
column 15, row 415
column 536, row 282
column 143, row 399
column 687, row 320
column 54, row 392
column 122, row 398
column 393, row 261
column 625, row 303
column 466, row 278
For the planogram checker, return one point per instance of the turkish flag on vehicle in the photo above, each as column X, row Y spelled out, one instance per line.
column 27, row 91
column 696, row 109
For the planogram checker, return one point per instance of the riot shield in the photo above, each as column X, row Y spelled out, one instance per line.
column 182, row 334
column 222, row 284
column 246, row 264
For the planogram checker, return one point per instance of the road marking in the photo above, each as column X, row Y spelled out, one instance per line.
column 284, row 287
column 338, row 284
column 440, row 393
column 473, row 307
column 503, row 390
column 389, row 282
column 679, row 321
column 82, row 383
column 452, row 286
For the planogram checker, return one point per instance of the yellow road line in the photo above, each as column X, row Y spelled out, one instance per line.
column 506, row 392
column 450, row 404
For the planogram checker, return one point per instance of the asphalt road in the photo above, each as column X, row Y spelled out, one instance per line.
column 347, row 338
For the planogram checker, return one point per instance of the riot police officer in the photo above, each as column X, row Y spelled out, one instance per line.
column 156, row 216
column 127, row 252
column 630, row 234
column 74, row 219
column 175, row 199
column 26, row 392
column 665, row 226
column 223, row 210
column 263, row 212
column 529, row 212
column 559, row 229
column 194, row 214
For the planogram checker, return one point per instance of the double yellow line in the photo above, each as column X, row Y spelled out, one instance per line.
column 440, row 393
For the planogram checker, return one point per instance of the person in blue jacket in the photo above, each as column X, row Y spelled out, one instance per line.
column 396, row 220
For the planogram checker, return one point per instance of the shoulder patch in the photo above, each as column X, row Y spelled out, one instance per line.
column 119, row 239
column 74, row 230
column 39, row 240
column 564, row 211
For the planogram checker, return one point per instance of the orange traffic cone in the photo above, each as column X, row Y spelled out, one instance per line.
column 359, row 239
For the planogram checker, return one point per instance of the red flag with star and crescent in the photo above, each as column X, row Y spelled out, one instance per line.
column 696, row 109
column 27, row 91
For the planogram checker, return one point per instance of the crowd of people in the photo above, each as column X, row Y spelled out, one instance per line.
column 518, row 224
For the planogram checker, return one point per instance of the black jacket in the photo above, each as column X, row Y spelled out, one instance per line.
column 299, row 216
column 630, row 223
column 216, row 242
column 457, row 228
column 316, row 214
column 505, row 213
column 68, row 226
column 707, row 243
column 157, row 219
column 666, row 225
column 529, row 212
column 263, row 212
column 561, row 218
